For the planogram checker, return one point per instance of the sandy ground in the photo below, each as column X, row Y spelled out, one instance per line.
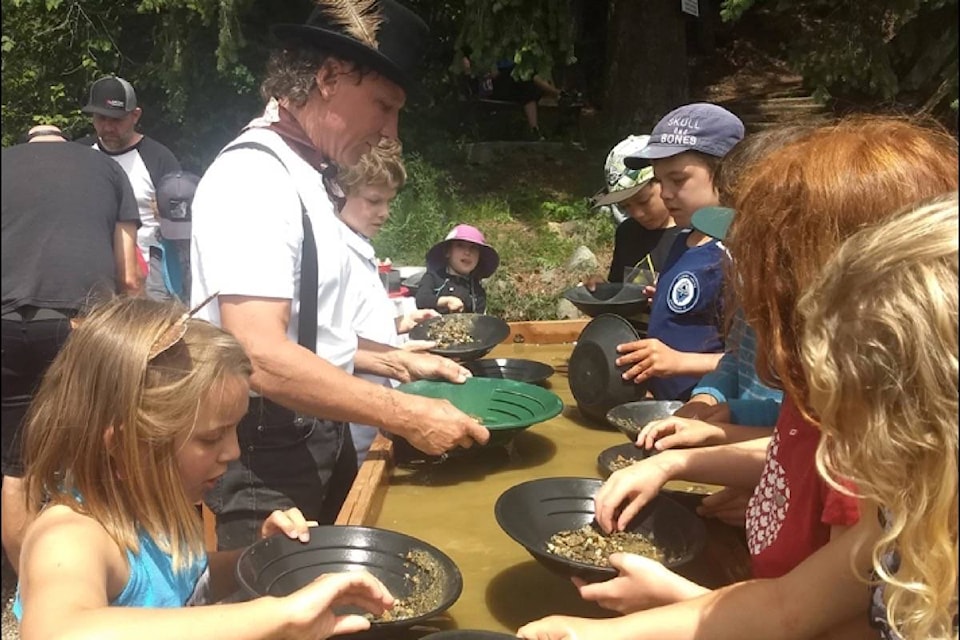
column 10, row 629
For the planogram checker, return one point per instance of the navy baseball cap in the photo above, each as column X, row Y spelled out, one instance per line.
column 701, row 126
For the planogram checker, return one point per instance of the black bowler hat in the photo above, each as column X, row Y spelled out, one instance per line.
column 380, row 34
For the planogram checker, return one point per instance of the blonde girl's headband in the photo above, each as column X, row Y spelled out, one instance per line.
column 177, row 330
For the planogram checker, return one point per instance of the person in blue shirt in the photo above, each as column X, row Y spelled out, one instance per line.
column 684, row 339
column 134, row 422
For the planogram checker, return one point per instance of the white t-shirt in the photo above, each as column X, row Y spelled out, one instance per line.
column 144, row 163
column 374, row 319
column 247, row 240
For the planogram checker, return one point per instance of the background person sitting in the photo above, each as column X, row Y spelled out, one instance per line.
column 526, row 93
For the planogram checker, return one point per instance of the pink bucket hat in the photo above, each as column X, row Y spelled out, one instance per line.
column 489, row 258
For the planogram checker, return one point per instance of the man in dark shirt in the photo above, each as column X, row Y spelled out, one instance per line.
column 67, row 241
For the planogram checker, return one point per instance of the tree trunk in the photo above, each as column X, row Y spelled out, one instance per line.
column 646, row 63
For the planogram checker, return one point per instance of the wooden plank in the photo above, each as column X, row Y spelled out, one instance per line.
column 363, row 503
column 209, row 528
column 546, row 331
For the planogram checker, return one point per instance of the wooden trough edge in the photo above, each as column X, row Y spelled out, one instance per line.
column 545, row 331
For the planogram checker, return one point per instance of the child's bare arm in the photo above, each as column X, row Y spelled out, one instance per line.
column 820, row 596
column 72, row 569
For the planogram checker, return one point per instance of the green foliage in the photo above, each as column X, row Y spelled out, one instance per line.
column 565, row 210
column 421, row 214
column 192, row 64
column 533, row 244
column 537, row 35
column 40, row 82
column 889, row 49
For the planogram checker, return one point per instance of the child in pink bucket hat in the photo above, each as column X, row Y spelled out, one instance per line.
column 455, row 267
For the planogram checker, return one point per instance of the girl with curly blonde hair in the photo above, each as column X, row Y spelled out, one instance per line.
column 880, row 352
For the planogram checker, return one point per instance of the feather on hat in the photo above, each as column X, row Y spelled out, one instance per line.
column 382, row 35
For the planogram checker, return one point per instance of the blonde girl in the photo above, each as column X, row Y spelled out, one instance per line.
column 134, row 421
column 880, row 352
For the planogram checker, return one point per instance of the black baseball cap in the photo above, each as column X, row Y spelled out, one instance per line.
column 111, row 97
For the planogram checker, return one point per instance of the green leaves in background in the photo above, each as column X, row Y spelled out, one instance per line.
column 888, row 49
column 538, row 35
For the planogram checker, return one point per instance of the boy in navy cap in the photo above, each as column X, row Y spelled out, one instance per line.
column 684, row 340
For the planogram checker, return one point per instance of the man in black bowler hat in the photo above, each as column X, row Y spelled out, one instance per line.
column 334, row 87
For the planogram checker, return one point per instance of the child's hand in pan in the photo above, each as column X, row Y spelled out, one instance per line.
column 679, row 432
column 641, row 583
column 291, row 523
column 407, row 322
column 310, row 612
column 452, row 304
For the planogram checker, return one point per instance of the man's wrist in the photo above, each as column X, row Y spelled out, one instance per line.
column 395, row 363
column 396, row 418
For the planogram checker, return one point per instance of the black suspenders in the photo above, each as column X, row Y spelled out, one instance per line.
column 309, row 274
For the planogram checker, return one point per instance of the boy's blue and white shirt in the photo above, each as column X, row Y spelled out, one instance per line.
column 687, row 310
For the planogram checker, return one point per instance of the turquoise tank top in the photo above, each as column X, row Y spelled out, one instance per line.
column 153, row 582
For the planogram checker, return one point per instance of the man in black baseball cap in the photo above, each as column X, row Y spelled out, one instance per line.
column 112, row 97
column 113, row 105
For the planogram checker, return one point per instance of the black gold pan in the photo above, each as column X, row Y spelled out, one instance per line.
column 483, row 333
column 278, row 566
column 529, row 371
